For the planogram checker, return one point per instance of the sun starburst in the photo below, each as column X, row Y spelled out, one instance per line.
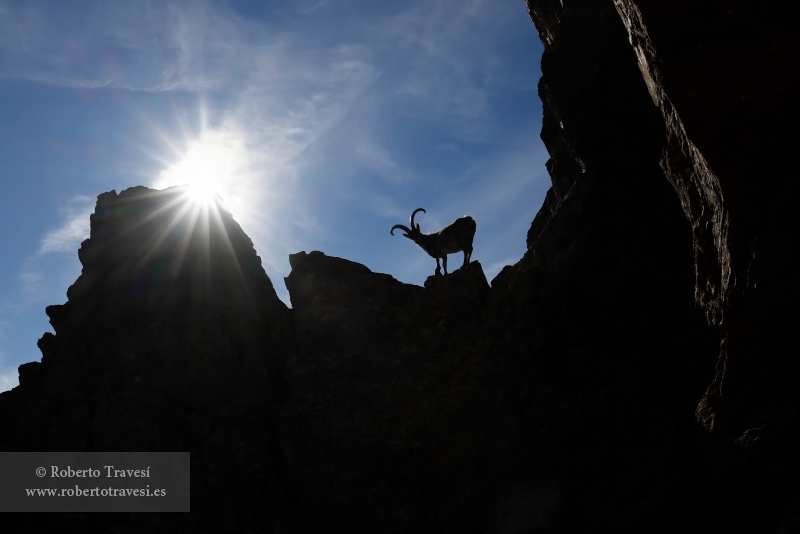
column 211, row 167
column 201, row 194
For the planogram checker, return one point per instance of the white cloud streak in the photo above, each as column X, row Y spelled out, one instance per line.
column 73, row 230
column 68, row 237
column 31, row 281
column 312, row 7
column 144, row 46
column 290, row 97
column 9, row 377
column 35, row 276
column 8, row 380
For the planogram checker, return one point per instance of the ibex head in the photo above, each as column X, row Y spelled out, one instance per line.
column 450, row 239
column 414, row 229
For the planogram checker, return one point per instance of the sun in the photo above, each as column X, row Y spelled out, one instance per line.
column 220, row 173
column 217, row 183
column 201, row 194
column 211, row 167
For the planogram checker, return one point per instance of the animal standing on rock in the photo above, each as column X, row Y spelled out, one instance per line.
column 454, row 237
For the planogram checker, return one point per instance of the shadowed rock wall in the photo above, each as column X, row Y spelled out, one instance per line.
column 725, row 76
column 721, row 74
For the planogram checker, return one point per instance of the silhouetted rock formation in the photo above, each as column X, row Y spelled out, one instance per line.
column 726, row 84
column 721, row 76
column 392, row 423
column 172, row 339
column 635, row 371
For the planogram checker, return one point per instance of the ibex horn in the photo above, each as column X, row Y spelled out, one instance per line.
column 412, row 215
column 403, row 228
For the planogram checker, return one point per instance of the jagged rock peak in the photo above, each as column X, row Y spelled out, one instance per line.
column 154, row 238
column 171, row 293
column 172, row 339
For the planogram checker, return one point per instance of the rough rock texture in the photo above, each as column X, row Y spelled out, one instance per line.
column 635, row 371
column 172, row 339
column 726, row 84
column 722, row 75
column 725, row 76
column 608, row 284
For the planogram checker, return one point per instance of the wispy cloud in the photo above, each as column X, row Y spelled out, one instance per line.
column 306, row 115
column 381, row 204
column 282, row 94
column 312, row 6
column 9, row 379
column 67, row 237
column 379, row 160
column 147, row 46
column 443, row 62
column 36, row 277
column 31, row 280
column 493, row 269
column 292, row 96
column 512, row 179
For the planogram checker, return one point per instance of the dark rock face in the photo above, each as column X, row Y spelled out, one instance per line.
column 635, row 371
column 608, row 281
column 388, row 426
column 726, row 84
column 724, row 76
column 173, row 339
column 721, row 77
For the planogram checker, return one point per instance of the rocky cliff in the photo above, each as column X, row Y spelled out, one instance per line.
column 635, row 371
column 172, row 339
column 720, row 76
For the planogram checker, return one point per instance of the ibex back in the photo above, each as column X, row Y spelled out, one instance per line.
column 453, row 238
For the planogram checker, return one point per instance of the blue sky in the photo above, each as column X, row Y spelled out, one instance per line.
column 321, row 124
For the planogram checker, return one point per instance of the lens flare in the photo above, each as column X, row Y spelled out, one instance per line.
column 201, row 194
column 211, row 167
